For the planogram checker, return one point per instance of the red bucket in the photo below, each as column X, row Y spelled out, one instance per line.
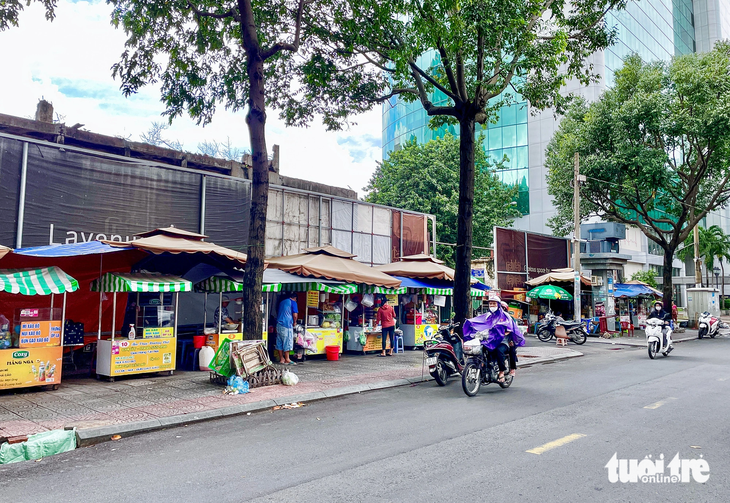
column 198, row 341
column 333, row 353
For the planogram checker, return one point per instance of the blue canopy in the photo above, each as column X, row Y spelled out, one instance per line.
column 424, row 283
column 627, row 290
column 70, row 250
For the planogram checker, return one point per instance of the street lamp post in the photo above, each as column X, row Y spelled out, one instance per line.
column 716, row 270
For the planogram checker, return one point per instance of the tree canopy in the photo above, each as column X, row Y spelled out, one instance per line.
column 654, row 149
column 425, row 178
column 648, row 277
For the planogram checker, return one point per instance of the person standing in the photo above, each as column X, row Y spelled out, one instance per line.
column 386, row 319
column 287, row 316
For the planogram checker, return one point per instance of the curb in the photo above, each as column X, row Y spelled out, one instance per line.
column 87, row 437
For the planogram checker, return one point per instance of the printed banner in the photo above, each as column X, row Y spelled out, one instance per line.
column 158, row 333
column 20, row 368
column 424, row 332
column 140, row 356
column 40, row 334
column 326, row 337
column 374, row 342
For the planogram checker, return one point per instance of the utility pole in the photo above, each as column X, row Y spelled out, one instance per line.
column 577, row 178
column 698, row 262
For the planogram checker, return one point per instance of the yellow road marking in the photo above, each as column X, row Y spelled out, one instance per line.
column 556, row 443
column 659, row 403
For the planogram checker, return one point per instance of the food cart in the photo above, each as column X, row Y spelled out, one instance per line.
column 363, row 329
column 151, row 344
column 31, row 344
column 227, row 284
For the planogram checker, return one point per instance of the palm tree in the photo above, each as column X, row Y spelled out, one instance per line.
column 706, row 256
column 719, row 248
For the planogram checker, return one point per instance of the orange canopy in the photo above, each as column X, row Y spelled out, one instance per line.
column 418, row 266
column 331, row 263
column 173, row 240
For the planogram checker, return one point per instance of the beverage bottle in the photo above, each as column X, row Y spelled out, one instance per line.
column 42, row 372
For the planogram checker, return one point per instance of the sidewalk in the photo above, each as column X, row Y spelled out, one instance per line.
column 100, row 409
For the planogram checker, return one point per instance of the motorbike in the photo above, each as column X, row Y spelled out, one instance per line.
column 575, row 330
column 709, row 325
column 444, row 355
column 656, row 331
column 480, row 368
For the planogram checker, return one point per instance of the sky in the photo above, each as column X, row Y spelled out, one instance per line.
column 68, row 62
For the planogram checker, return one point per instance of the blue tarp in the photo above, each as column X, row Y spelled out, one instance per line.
column 480, row 286
column 626, row 290
column 70, row 250
column 424, row 283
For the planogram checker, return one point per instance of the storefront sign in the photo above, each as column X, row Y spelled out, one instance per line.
column 521, row 255
column 29, row 313
column 34, row 334
column 140, row 356
column 392, row 299
column 424, row 332
column 20, row 368
column 312, row 298
column 157, row 333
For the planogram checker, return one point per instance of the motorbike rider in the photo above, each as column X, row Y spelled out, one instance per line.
column 512, row 347
column 502, row 330
column 659, row 313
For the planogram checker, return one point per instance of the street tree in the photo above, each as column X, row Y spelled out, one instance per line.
column 10, row 11
column 210, row 53
column 461, row 60
column 655, row 150
column 648, row 277
column 425, row 178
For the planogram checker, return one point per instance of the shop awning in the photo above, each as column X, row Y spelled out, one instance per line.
column 628, row 290
column 71, row 250
column 40, row 281
column 330, row 263
column 418, row 266
column 383, row 290
column 434, row 287
column 216, row 284
column 140, row 282
column 342, row 289
column 565, row 275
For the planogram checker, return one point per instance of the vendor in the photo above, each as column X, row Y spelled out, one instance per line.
column 221, row 313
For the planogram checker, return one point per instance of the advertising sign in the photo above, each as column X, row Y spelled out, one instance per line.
column 520, row 256
column 40, row 334
column 326, row 337
column 139, row 356
column 20, row 368
column 312, row 298
column 424, row 332
column 157, row 333
column 375, row 343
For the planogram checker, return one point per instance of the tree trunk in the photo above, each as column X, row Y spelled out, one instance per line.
column 667, row 279
column 462, row 281
column 254, row 272
column 722, row 292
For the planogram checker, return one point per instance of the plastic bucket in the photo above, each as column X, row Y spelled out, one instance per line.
column 333, row 353
column 198, row 341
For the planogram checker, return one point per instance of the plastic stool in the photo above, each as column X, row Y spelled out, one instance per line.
column 398, row 339
column 561, row 341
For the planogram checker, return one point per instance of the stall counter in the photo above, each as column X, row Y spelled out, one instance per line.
column 214, row 340
column 138, row 356
column 414, row 335
column 374, row 340
column 34, row 366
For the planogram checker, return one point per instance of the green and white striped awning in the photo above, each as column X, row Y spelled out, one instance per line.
column 474, row 292
column 41, row 281
column 339, row 289
column 140, row 282
column 382, row 289
column 216, row 284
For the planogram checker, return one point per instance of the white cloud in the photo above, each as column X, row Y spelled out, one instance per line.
column 68, row 62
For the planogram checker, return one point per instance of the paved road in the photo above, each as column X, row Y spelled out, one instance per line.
column 425, row 443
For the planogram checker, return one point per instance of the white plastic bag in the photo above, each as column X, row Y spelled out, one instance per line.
column 289, row 378
column 368, row 300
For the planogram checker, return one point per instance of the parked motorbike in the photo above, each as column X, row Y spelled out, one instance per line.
column 656, row 332
column 480, row 368
column 576, row 330
column 444, row 355
column 709, row 325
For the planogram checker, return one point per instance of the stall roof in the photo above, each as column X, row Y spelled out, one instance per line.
column 70, row 250
column 630, row 290
column 565, row 275
column 331, row 263
column 140, row 282
column 418, row 266
column 175, row 241
column 216, row 284
column 40, row 281
column 435, row 287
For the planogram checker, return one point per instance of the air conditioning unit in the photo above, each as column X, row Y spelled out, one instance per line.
column 597, row 280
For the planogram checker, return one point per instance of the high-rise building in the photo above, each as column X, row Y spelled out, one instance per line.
column 654, row 29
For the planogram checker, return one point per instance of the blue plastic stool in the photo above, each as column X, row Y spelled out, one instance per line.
column 398, row 339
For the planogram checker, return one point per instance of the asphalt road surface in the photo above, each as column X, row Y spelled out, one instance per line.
column 547, row 438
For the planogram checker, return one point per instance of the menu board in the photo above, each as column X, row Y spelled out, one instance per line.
column 312, row 298
column 142, row 355
column 35, row 334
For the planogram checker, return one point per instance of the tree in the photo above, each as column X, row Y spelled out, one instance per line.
column 654, row 150
column 687, row 249
column 207, row 53
column 10, row 10
column 425, row 178
column 461, row 61
column 648, row 277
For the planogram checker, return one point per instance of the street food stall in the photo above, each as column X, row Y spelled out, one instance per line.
column 634, row 302
column 364, row 334
column 31, row 340
column 332, row 276
column 150, row 344
column 226, row 284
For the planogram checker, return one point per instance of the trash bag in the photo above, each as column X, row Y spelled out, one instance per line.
column 289, row 378
column 346, row 336
column 362, row 339
column 39, row 446
column 237, row 386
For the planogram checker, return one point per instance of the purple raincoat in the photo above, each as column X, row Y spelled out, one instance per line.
column 499, row 325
